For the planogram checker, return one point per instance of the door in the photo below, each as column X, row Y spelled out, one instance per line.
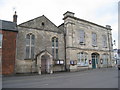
column 93, row 62
column 43, row 65
column 95, row 58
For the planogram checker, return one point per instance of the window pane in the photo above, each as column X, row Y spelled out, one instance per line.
column 56, row 53
column 28, row 39
column 32, row 40
column 94, row 39
column 1, row 36
column 82, row 36
column 104, row 41
column 52, row 42
column 27, row 51
column 86, row 59
column 32, row 52
column 53, row 52
column 56, row 42
column 78, row 55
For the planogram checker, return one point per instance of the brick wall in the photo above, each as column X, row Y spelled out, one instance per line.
column 8, row 52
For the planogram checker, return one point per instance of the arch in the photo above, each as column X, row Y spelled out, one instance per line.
column 44, row 62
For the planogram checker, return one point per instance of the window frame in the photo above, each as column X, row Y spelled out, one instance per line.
column 104, row 41
column 82, row 37
column 55, row 49
column 94, row 39
column 30, row 44
column 82, row 59
column 105, row 59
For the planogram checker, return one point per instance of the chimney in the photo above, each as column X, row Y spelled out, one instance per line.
column 68, row 13
column 108, row 27
column 15, row 18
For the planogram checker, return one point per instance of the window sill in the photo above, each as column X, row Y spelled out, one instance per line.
column 104, row 47
column 82, row 43
column 94, row 45
column 29, row 59
column 82, row 66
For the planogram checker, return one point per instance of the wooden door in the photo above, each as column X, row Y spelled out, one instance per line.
column 43, row 65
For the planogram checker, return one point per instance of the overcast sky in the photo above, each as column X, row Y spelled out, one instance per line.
column 102, row 12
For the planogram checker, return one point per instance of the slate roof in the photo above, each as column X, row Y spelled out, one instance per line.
column 8, row 26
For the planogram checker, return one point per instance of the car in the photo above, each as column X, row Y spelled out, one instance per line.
column 118, row 67
column 118, row 64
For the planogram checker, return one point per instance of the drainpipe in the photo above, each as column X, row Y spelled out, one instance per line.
column 65, row 49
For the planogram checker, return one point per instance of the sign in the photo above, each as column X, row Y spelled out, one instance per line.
column 59, row 62
column 101, row 61
column 73, row 62
column 90, row 62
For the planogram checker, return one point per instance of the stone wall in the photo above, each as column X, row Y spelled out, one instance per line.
column 73, row 26
column 43, row 41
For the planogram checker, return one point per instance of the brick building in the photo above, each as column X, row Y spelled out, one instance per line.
column 8, row 34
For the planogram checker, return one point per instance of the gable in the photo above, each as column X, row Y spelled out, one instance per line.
column 41, row 22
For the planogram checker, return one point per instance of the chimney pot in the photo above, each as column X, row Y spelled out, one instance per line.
column 15, row 18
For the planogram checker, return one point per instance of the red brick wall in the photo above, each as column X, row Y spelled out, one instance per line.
column 8, row 52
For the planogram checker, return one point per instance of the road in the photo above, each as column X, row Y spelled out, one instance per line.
column 96, row 78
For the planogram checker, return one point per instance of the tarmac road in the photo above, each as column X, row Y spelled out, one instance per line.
column 96, row 78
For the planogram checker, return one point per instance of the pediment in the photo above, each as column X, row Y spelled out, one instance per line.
column 41, row 22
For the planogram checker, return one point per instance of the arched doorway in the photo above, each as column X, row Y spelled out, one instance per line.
column 95, row 59
column 45, row 64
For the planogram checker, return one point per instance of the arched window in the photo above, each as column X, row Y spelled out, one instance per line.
column 105, row 59
column 82, row 59
column 55, row 47
column 30, row 44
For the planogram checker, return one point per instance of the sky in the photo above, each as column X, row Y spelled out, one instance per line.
column 102, row 12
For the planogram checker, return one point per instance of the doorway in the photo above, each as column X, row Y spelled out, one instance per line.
column 45, row 64
column 95, row 59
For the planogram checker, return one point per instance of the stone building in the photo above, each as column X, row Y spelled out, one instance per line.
column 40, row 47
column 75, row 45
column 88, row 45
column 8, row 34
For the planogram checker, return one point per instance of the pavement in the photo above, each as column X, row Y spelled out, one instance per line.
column 95, row 78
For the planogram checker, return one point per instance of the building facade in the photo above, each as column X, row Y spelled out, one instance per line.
column 88, row 45
column 75, row 45
column 39, row 46
column 8, row 34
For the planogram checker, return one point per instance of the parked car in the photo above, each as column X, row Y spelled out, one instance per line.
column 118, row 64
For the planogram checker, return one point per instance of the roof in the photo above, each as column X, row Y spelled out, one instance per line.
column 36, row 23
column 86, row 22
column 8, row 25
